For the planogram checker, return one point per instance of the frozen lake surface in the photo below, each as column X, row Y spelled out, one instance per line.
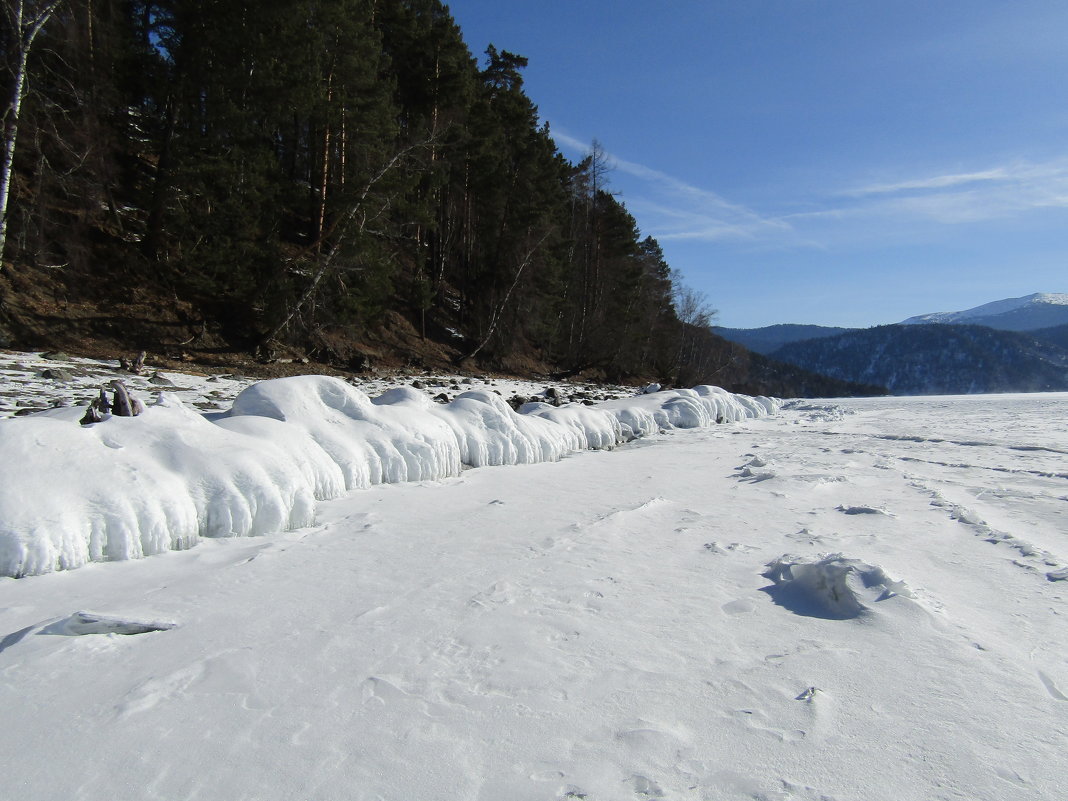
column 850, row 600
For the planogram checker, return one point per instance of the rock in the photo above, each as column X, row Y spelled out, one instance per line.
column 56, row 356
column 56, row 374
column 417, row 384
column 441, row 398
column 160, row 380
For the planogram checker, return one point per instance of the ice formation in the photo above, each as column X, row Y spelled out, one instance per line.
column 830, row 586
column 129, row 487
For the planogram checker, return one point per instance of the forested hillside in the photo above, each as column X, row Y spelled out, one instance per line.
column 936, row 359
column 1057, row 335
column 339, row 178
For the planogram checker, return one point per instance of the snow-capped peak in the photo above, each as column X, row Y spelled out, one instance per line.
column 993, row 309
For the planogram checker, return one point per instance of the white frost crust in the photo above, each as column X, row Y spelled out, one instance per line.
column 131, row 487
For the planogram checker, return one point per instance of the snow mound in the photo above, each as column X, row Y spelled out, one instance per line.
column 395, row 438
column 830, row 586
column 130, row 487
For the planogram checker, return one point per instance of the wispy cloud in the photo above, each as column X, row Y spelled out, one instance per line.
column 671, row 208
column 933, row 182
column 1001, row 192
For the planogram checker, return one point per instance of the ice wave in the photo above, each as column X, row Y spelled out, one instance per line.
column 130, row 487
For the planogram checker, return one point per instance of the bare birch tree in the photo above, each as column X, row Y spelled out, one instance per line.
column 24, row 20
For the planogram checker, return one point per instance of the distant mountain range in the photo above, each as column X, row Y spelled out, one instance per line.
column 1041, row 310
column 770, row 338
column 1011, row 345
column 935, row 359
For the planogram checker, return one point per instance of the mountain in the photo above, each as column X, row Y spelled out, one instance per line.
column 1040, row 310
column 934, row 359
column 772, row 337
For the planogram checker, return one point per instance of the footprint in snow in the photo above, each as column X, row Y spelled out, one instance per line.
column 760, row 721
column 645, row 787
column 720, row 548
column 805, row 535
column 742, row 606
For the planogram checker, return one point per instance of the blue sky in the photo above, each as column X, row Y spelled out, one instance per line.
column 841, row 162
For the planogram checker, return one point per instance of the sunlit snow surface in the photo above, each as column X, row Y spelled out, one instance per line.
column 848, row 600
column 127, row 487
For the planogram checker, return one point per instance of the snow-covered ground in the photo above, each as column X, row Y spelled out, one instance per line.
column 848, row 600
column 124, row 479
column 34, row 381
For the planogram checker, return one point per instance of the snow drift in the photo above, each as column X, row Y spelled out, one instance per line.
column 830, row 586
column 130, row 487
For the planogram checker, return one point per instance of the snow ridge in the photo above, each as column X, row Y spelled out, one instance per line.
column 990, row 309
column 130, row 487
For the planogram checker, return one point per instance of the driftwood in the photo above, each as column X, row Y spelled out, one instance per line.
column 123, row 405
column 136, row 366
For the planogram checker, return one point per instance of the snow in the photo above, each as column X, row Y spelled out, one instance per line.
column 809, row 605
column 830, row 586
column 129, row 487
column 990, row 309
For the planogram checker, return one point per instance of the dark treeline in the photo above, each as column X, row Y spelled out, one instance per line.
column 302, row 172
